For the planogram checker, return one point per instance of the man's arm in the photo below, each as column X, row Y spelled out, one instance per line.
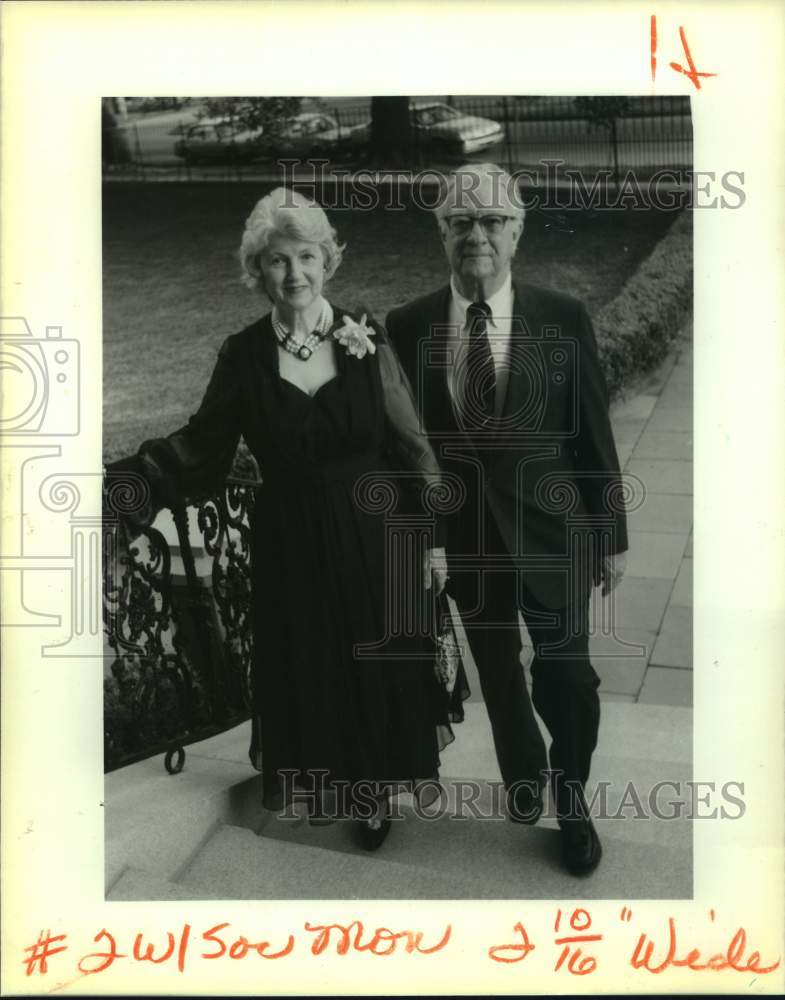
column 595, row 450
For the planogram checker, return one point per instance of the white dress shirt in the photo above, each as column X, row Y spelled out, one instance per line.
column 499, row 326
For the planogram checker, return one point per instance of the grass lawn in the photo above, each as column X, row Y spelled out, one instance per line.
column 172, row 291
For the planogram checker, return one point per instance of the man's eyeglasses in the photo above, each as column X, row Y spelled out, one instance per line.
column 461, row 225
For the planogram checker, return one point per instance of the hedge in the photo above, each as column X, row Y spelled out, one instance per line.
column 636, row 329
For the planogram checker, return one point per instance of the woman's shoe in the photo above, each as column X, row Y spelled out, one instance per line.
column 372, row 837
column 373, row 832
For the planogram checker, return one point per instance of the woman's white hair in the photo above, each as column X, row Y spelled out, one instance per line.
column 286, row 213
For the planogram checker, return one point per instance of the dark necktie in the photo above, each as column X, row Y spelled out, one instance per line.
column 480, row 389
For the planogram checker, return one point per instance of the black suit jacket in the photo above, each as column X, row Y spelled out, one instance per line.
column 549, row 476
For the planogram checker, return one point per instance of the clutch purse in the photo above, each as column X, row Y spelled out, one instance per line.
column 449, row 677
column 447, row 661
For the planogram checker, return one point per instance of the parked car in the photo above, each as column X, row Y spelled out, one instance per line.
column 439, row 129
column 156, row 103
column 313, row 134
column 451, row 131
column 219, row 141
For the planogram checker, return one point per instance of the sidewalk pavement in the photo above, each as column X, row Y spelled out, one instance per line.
column 654, row 436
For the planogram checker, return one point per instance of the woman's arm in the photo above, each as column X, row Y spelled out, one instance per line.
column 408, row 440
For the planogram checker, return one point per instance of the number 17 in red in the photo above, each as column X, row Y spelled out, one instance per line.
column 691, row 72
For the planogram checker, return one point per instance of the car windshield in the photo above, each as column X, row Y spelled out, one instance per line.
column 207, row 133
column 434, row 115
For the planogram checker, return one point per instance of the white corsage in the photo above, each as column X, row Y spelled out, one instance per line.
column 356, row 337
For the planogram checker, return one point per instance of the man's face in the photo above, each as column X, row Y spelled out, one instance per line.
column 479, row 243
column 480, row 246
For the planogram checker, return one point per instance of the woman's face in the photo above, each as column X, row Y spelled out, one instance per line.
column 292, row 272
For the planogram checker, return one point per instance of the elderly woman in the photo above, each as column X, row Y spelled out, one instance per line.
column 343, row 700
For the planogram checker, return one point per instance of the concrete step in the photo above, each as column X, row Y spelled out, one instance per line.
column 238, row 851
column 157, row 821
column 240, row 864
column 487, row 854
column 439, row 859
column 136, row 884
column 493, row 858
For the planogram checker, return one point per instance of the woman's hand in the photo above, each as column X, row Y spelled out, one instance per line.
column 611, row 572
column 435, row 570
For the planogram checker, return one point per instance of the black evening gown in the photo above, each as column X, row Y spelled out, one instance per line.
column 343, row 680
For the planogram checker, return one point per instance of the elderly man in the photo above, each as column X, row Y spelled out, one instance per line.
column 511, row 392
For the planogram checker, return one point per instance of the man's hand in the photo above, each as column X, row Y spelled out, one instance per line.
column 435, row 569
column 611, row 572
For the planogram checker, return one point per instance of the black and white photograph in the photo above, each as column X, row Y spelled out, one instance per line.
column 392, row 435
column 401, row 389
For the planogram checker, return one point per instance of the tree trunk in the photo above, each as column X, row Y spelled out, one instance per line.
column 391, row 144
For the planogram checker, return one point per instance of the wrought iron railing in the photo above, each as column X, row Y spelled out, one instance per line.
column 177, row 628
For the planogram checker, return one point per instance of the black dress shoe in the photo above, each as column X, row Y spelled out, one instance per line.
column 372, row 838
column 524, row 803
column 581, row 847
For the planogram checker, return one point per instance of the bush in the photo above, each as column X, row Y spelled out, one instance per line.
column 636, row 329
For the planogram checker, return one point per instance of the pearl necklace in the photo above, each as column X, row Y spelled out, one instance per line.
column 304, row 349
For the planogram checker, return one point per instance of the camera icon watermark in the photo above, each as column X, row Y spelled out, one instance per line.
column 40, row 408
column 41, row 381
column 540, row 372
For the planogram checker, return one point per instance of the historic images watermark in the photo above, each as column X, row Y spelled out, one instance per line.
column 553, row 187
column 463, row 799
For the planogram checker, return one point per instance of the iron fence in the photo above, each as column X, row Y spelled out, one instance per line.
column 621, row 134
